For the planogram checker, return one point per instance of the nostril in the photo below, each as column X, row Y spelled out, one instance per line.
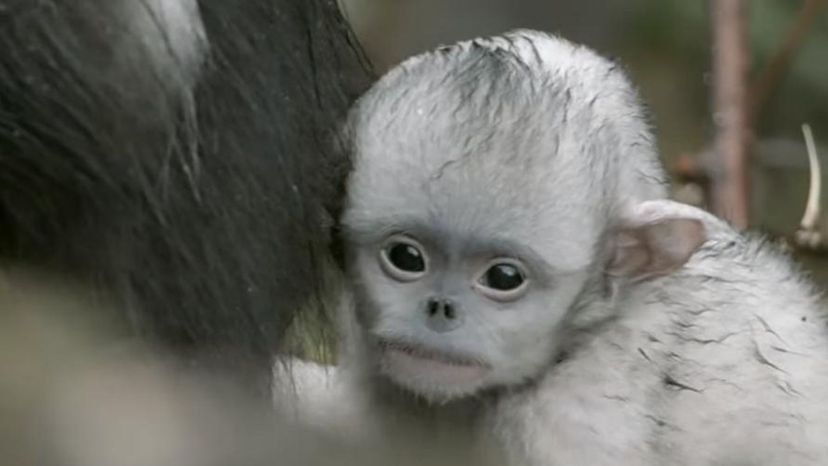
column 442, row 315
column 433, row 307
column 448, row 311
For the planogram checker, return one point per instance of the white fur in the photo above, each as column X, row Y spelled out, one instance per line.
column 586, row 73
column 529, row 139
column 321, row 397
column 716, row 328
column 173, row 34
column 737, row 332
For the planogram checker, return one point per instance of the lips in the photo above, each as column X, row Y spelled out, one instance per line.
column 423, row 352
column 430, row 371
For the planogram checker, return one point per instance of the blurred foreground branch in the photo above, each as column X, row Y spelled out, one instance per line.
column 73, row 393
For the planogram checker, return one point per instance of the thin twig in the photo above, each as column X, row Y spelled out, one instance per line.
column 811, row 216
column 778, row 65
column 808, row 236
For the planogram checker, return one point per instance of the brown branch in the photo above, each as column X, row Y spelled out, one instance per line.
column 779, row 63
column 730, row 62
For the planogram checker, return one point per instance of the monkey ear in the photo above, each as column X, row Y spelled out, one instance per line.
column 647, row 245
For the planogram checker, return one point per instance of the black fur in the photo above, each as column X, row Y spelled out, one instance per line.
column 201, row 211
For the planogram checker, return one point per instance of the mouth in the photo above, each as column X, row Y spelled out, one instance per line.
column 423, row 352
column 430, row 371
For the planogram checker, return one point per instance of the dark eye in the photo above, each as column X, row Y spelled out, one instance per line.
column 503, row 280
column 406, row 257
column 403, row 259
column 503, row 277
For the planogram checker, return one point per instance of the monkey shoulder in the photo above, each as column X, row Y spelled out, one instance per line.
column 746, row 368
column 722, row 362
column 321, row 397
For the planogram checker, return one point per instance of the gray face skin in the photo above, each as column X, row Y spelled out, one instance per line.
column 449, row 312
column 479, row 214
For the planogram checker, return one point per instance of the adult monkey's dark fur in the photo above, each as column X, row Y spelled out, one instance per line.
column 198, row 202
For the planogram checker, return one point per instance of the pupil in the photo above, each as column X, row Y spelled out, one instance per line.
column 406, row 257
column 504, row 277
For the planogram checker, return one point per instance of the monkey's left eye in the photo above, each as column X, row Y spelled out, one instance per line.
column 503, row 280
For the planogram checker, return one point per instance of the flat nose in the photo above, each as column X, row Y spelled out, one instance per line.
column 442, row 315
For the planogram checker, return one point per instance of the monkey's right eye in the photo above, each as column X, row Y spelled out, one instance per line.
column 406, row 257
column 403, row 259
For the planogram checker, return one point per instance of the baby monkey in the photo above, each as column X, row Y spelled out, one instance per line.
column 518, row 274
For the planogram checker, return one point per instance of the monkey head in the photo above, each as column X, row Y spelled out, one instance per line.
column 481, row 209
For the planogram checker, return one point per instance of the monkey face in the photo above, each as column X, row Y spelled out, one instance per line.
column 447, row 316
column 477, row 209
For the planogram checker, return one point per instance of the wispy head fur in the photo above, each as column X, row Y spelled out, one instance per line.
column 450, row 135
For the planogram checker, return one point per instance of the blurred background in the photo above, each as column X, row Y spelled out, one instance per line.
column 668, row 48
column 127, row 407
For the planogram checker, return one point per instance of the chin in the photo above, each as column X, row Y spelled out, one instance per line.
column 432, row 373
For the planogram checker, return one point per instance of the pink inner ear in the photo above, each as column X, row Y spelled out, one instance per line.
column 656, row 248
column 629, row 257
